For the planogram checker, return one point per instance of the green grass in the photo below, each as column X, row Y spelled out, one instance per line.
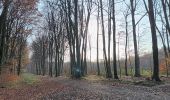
column 144, row 72
column 28, row 78
column 25, row 79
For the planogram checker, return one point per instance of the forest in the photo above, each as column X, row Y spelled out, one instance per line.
column 84, row 49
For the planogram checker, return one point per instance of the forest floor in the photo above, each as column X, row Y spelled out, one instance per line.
column 30, row 87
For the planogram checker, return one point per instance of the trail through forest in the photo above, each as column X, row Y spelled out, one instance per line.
column 105, row 90
column 64, row 88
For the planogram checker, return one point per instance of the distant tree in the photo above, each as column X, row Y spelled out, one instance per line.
column 126, row 13
column 15, row 27
column 90, row 54
column 66, row 23
column 85, row 33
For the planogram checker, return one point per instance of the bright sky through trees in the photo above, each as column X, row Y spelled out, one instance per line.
column 143, row 30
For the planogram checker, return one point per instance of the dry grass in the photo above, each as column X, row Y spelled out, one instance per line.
column 94, row 78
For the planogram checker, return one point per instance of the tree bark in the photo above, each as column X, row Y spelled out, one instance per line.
column 108, row 69
column 114, row 41
column 98, row 68
column 126, row 44
column 137, row 63
column 154, row 42
column 3, row 19
column 165, row 15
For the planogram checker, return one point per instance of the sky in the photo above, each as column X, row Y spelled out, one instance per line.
column 142, row 28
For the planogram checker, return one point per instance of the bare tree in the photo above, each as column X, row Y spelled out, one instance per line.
column 108, row 69
column 150, row 11
column 164, row 5
column 114, row 41
column 98, row 11
column 109, row 30
column 137, row 63
column 126, row 41
column 3, row 19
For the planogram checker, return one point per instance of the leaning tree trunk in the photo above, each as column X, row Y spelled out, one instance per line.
column 165, row 15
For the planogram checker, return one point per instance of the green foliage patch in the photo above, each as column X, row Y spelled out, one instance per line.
column 28, row 78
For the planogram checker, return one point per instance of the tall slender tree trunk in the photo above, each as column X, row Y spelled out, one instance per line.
column 90, row 54
column 78, row 65
column 108, row 69
column 36, row 66
column 137, row 63
column 109, row 30
column 50, row 57
column 120, row 70
column 154, row 42
column 98, row 68
column 85, row 52
column 43, row 59
column 3, row 18
column 20, row 58
column 56, row 57
column 114, row 41
column 126, row 44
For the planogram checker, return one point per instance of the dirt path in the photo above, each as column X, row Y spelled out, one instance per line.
column 98, row 90
column 62, row 88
